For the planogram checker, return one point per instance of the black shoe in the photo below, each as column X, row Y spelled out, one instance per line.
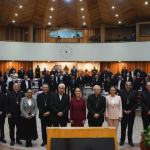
column 19, row 142
column 131, row 144
column 30, row 144
column 43, row 144
column 12, row 143
column 121, row 143
column 3, row 141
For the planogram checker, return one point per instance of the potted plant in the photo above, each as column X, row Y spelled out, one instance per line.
column 145, row 142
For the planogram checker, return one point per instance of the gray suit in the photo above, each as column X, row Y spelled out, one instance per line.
column 26, row 109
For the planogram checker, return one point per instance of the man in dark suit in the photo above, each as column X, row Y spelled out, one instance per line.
column 2, row 115
column 37, row 72
column 41, row 82
column 73, row 85
column 3, row 85
column 66, row 81
column 96, row 81
column 146, row 106
column 53, row 84
column 44, row 101
column 30, row 73
column 14, row 114
column 11, row 83
column 120, row 84
column 25, row 84
column 129, row 104
column 74, row 71
column 21, row 73
column 96, row 105
column 60, row 107
column 124, row 72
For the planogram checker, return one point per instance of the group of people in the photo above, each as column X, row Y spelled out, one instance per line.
column 20, row 105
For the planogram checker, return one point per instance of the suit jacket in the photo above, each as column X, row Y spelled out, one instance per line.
column 122, row 84
column 44, row 103
column 129, row 101
column 26, row 109
column 2, row 104
column 13, row 103
column 80, row 81
column 3, row 86
column 113, row 107
column 94, row 106
column 21, row 74
column 23, row 86
column 145, row 102
column 60, row 106
column 40, row 82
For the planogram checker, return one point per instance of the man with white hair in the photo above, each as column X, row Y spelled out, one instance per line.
column 96, row 105
column 60, row 107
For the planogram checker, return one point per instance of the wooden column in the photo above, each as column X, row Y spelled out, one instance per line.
column 30, row 33
column 137, row 32
column 102, row 33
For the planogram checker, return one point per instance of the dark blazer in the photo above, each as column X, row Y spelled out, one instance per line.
column 3, row 87
column 96, row 107
column 13, row 103
column 40, row 83
column 60, row 106
column 21, row 74
column 145, row 102
column 129, row 101
column 44, row 103
column 80, row 81
column 23, row 85
column 3, row 104
column 122, row 84
column 10, row 85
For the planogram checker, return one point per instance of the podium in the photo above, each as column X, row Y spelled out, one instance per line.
column 89, row 138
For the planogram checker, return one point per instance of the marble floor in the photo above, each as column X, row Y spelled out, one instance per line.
column 138, row 127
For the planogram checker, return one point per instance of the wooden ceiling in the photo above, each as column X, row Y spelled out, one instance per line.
column 69, row 14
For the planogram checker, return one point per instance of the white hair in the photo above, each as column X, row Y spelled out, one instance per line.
column 96, row 87
column 61, row 85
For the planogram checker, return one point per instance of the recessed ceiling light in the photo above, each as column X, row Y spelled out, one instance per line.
column 83, row 17
column 49, row 23
column 113, row 7
column 20, row 6
column 84, row 23
column 52, row 8
column 53, row 0
column 119, row 22
column 82, row 9
column 116, row 15
column 13, row 21
column 80, row 0
column 50, row 17
column 16, row 14
column 146, row 3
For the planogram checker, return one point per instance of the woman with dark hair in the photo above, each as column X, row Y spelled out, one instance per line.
column 28, row 108
column 113, row 108
column 77, row 110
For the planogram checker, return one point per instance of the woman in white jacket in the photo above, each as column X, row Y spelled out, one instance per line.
column 113, row 108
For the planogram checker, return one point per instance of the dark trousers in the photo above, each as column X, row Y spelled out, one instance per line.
column 2, row 122
column 127, row 121
column 146, row 121
column 14, row 122
column 59, row 122
column 95, row 122
column 45, row 122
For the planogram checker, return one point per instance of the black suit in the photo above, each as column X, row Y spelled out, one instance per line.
column 13, row 108
column 23, row 86
column 60, row 106
column 129, row 103
column 3, row 86
column 73, row 85
column 2, row 114
column 122, row 84
column 41, row 82
column 96, row 105
column 21, row 74
column 145, row 108
column 44, row 105
column 10, row 85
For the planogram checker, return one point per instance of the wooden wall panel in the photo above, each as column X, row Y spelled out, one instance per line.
column 4, row 65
